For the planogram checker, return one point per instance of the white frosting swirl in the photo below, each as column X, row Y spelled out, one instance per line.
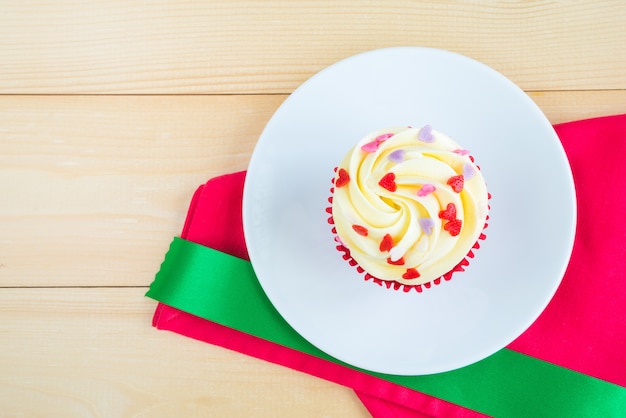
column 409, row 204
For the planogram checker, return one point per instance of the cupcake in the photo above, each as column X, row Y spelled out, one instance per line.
column 408, row 207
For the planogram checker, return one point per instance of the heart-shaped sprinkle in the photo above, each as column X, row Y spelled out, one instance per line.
column 411, row 273
column 342, row 178
column 371, row 146
column 426, row 134
column 388, row 182
column 397, row 156
column 461, row 151
column 399, row 262
column 361, row 230
column 426, row 189
column 375, row 144
column 427, row 224
column 384, row 137
column 468, row 171
column 386, row 244
column 456, row 182
column 396, row 253
column 449, row 214
column 453, row 227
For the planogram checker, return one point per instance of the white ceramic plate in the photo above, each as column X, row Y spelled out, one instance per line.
column 514, row 274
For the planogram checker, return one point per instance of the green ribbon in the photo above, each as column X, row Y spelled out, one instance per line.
column 224, row 289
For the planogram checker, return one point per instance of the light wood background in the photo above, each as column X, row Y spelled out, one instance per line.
column 113, row 112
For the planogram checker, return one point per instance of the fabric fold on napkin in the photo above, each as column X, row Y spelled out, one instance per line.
column 214, row 220
column 582, row 329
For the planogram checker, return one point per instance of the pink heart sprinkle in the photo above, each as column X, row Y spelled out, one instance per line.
column 397, row 156
column 461, row 151
column 371, row 146
column 468, row 171
column 426, row 190
column 427, row 225
column 426, row 134
column 383, row 137
column 375, row 144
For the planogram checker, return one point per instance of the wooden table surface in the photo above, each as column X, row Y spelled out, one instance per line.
column 112, row 113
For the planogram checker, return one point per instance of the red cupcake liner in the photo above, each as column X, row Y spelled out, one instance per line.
column 392, row 284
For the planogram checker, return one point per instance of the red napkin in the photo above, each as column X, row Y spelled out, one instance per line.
column 583, row 328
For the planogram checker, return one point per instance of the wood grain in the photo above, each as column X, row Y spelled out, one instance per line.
column 567, row 106
column 92, row 353
column 237, row 47
column 113, row 112
column 94, row 187
column 107, row 180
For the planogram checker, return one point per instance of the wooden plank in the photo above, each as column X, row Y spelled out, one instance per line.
column 272, row 47
column 94, row 187
column 92, row 352
column 567, row 106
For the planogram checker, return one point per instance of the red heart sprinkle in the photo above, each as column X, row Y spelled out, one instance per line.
column 399, row 262
column 453, row 227
column 411, row 274
column 388, row 182
column 456, row 182
column 342, row 178
column 361, row 230
column 450, row 213
column 386, row 244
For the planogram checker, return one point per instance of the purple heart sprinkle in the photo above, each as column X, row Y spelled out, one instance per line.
column 427, row 225
column 468, row 171
column 426, row 134
column 397, row 156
